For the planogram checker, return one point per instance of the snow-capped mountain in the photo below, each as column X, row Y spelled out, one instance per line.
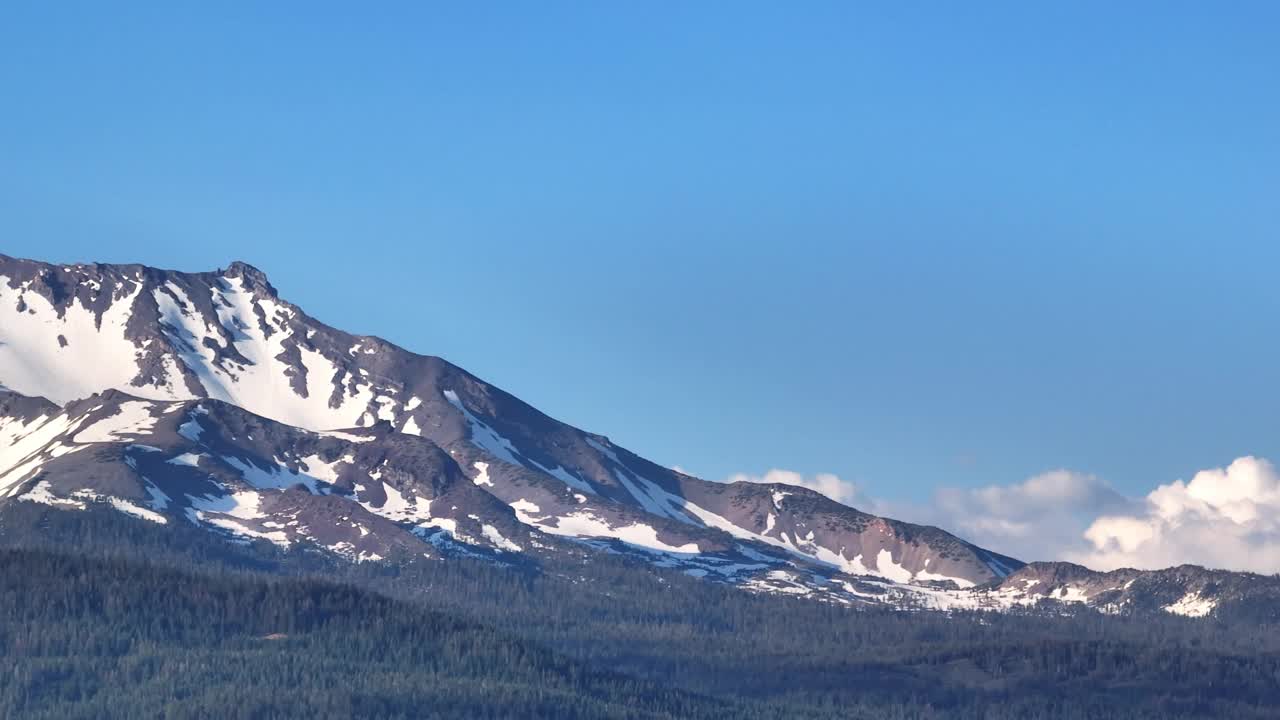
column 1186, row 590
column 366, row 494
column 205, row 398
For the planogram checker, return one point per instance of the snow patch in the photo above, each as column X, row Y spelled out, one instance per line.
column 230, row 512
column 584, row 524
column 22, row 446
column 131, row 418
column 493, row 536
column 483, row 436
column 411, row 426
column 277, row 477
column 42, row 493
column 1191, row 605
column 349, row 437
column 486, row 438
column 187, row 459
column 97, row 355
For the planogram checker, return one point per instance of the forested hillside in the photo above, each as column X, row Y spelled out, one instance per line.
column 94, row 639
column 87, row 637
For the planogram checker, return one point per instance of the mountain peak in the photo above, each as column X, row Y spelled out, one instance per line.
column 250, row 274
column 69, row 331
column 240, row 267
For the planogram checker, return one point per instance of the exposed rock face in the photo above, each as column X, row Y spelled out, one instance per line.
column 206, row 398
column 366, row 495
column 67, row 332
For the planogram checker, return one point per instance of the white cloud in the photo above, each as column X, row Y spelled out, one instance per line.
column 842, row 491
column 1224, row 518
column 1038, row 518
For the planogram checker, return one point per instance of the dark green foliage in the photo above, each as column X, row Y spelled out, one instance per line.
column 593, row 637
column 92, row 638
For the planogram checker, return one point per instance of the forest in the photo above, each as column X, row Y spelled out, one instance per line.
column 107, row 618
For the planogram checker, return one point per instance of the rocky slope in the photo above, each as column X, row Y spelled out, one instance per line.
column 206, row 398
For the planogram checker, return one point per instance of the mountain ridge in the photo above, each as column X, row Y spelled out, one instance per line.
column 167, row 341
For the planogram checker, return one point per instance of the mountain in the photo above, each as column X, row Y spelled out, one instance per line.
column 206, row 399
column 1187, row 590
column 367, row 494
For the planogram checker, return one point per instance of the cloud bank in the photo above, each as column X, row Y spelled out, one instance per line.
column 1042, row 517
column 1225, row 517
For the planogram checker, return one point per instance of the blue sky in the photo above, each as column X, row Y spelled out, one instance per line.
column 913, row 245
